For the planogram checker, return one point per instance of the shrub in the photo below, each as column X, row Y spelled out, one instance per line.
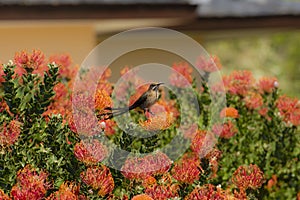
column 45, row 155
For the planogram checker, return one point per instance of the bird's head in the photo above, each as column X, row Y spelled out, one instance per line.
column 154, row 86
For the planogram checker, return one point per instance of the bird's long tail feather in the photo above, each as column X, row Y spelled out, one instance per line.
column 114, row 112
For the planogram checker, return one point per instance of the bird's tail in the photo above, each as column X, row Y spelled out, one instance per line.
column 113, row 112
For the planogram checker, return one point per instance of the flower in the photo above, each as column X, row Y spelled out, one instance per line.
column 191, row 131
column 109, row 128
column 67, row 191
column 239, row 82
column 165, row 189
column 90, row 152
column 203, row 142
column 149, row 181
column 164, row 106
column 9, row 133
column 253, row 100
column 229, row 112
column 187, row 169
column 3, row 106
column 66, row 70
column 4, row 196
column 289, row 108
column 182, row 75
column 158, row 122
column 99, row 178
column 213, row 159
column 61, row 102
column 267, row 84
column 248, row 177
column 37, row 59
column 30, row 184
column 21, row 58
column 83, row 116
column 208, row 192
column 210, row 64
column 102, row 100
column 226, row 130
column 272, row 182
column 143, row 167
column 142, row 197
column 29, row 62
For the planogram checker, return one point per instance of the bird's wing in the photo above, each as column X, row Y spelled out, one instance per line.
column 138, row 102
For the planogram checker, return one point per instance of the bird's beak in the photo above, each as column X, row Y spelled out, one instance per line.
column 158, row 84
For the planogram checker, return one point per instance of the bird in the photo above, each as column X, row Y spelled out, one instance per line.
column 144, row 102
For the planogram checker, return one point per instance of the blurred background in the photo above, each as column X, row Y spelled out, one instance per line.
column 258, row 35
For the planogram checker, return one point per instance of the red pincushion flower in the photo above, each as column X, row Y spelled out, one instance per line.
column 182, row 75
column 30, row 184
column 253, row 100
column 29, row 62
column 213, row 159
column 239, row 82
column 143, row 167
column 208, row 192
column 163, row 190
column 203, row 142
column 210, row 64
column 289, row 108
column 99, row 178
column 226, row 130
column 4, row 196
column 248, row 177
column 90, row 152
column 187, row 169
column 267, row 84
column 9, row 133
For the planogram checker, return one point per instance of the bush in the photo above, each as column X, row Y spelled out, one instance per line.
column 45, row 155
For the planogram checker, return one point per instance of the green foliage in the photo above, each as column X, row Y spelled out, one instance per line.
column 43, row 143
column 269, row 143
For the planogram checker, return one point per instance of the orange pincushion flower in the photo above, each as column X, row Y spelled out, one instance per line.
column 142, row 197
column 99, row 178
column 149, row 181
column 67, row 191
column 158, row 122
column 229, row 112
column 102, row 100
column 272, row 182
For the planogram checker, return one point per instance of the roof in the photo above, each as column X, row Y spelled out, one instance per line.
column 205, row 8
column 68, row 2
column 246, row 8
